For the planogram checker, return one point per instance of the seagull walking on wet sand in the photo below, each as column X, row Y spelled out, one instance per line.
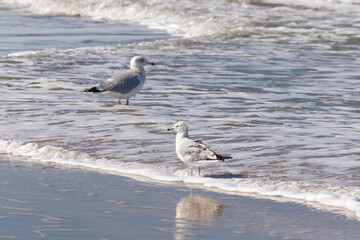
column 125, row 84
column 193, row 152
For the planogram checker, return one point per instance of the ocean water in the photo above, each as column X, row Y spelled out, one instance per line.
column 274, row 83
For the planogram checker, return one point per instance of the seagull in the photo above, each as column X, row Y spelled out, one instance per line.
column 193, row 152
column 125, row 84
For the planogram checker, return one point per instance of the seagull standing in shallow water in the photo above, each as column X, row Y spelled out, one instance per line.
column 125, row 84
column 193, row 152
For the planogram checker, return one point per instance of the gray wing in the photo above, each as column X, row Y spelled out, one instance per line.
column 197, row 150
column 121, row 82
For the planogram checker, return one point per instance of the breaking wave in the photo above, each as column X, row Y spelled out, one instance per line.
column 259, row 19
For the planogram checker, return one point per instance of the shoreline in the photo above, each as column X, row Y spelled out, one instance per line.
column 319, row 199
column 52, row 201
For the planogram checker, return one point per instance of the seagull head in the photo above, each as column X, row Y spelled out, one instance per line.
column 139, row 61
column 179, row 127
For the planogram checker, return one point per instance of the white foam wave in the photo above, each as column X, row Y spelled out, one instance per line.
column 23, row 53
column 221, row 19
column 171, row 16
column 316, row 3
column 324, row 194
column 58, row 155
column 60, row 53
column 53, row 52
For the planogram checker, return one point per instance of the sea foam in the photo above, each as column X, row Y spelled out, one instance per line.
column 323, row 194
column 225, row 19
column 156, row 14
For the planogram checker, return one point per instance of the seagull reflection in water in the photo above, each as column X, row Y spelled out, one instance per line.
column 194, row 212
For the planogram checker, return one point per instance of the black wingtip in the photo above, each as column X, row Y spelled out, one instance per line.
column 222, row 158
column 93, row 89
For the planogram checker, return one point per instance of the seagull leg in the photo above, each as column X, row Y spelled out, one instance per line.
column 199, row 171
column 191, row 172
column 119, row 101
column 127, row 101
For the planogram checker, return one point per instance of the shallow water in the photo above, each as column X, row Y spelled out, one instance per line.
column 272, row 83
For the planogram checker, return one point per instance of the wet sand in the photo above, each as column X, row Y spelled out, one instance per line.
column 40, row 201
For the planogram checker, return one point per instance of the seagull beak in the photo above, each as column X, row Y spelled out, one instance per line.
column 150, row 63
column 169, row 129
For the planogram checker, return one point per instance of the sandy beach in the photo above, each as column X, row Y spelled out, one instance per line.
column 46, row 201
